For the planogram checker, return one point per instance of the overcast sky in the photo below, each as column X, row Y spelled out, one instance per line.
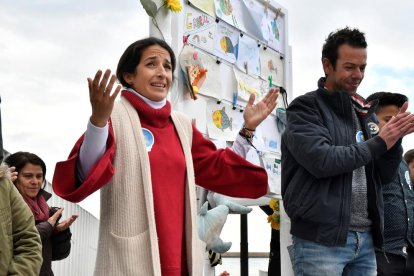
column 49, row 47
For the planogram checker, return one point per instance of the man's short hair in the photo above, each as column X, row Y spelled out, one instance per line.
column 352, row 37
column 387, row 99
column 409, row 156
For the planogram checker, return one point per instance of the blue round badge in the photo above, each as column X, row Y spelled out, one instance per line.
column 359, row 136
column 149, row 139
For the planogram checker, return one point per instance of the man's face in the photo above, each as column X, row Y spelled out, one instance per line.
column 349, row 70
column 385, row 113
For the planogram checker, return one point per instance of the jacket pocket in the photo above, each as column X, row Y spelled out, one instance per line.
column 129, row 255
column 295, row 197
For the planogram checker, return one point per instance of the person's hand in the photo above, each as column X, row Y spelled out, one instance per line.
column 102, row 101
column 254, row 114
column 13, row 174
column 397, row 127
column 55, row 217
column 66, row 223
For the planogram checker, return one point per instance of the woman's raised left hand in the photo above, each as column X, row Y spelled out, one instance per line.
column 254, row 114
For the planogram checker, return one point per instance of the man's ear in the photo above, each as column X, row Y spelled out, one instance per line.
column 327, row 66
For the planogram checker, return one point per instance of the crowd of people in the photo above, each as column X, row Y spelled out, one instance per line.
column 346, row 187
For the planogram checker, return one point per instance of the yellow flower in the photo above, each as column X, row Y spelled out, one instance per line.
column 173, row 5
column 274, row 204
column 274, row 221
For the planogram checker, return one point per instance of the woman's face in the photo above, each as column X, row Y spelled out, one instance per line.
column 29, row 180
column 153, row 75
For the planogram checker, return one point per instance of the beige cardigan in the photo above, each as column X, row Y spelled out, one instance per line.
column 128, row 242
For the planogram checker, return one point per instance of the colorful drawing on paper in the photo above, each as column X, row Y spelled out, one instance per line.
column 206, row 6
column 247, row 85
column 273, row 169
column 226, row 7
column 248, row 59
column 270, row 135
column 197, row 76
column 201, row 72
column 237, row 14
column 276, row 29
column 225, row 10
column 199, row 29
column 223, row 123
column 271, row 64
column 221, row 119
column 226, row 42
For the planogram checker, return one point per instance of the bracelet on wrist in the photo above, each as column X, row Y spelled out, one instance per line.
column 248, row 135
column 249, row 129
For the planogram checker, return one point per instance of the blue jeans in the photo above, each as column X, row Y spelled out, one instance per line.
column 357, row 257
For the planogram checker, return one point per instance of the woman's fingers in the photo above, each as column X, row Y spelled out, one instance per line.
column 104, row 81
column 96, row 80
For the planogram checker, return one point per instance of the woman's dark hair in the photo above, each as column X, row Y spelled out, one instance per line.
column 22, row 158
column 132, row 56
column 351, row 37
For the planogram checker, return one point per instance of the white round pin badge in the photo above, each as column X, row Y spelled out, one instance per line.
column 149, row 139
column 373, row 128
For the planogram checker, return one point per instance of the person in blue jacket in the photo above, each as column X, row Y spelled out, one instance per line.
column 335, row 160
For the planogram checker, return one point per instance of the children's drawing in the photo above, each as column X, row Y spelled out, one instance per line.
column 226, row 10
column 201, row 72
column 276, row 28
column 247, row 85
column 223, row 123
column 206, row 6
column 237, row 14
column 270, row 135
column 226, row 42
column 248, row 59
column 273, row 168
column 221, row 119
column 227, row 45
column 271, row 64
column 199, row 29
column 226, row 7
column 196, row 75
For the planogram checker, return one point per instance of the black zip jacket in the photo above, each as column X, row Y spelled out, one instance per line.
column 399, row 213
column 319, row 154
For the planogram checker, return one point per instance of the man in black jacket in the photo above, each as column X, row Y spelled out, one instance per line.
column 397, row 256
column 335, row 160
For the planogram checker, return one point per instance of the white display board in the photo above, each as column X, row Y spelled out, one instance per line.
column 226, row 65
column 227, row 50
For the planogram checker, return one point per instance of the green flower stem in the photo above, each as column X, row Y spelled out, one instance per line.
column 154, row 21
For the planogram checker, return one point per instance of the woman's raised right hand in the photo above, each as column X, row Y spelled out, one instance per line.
column 102, row 101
